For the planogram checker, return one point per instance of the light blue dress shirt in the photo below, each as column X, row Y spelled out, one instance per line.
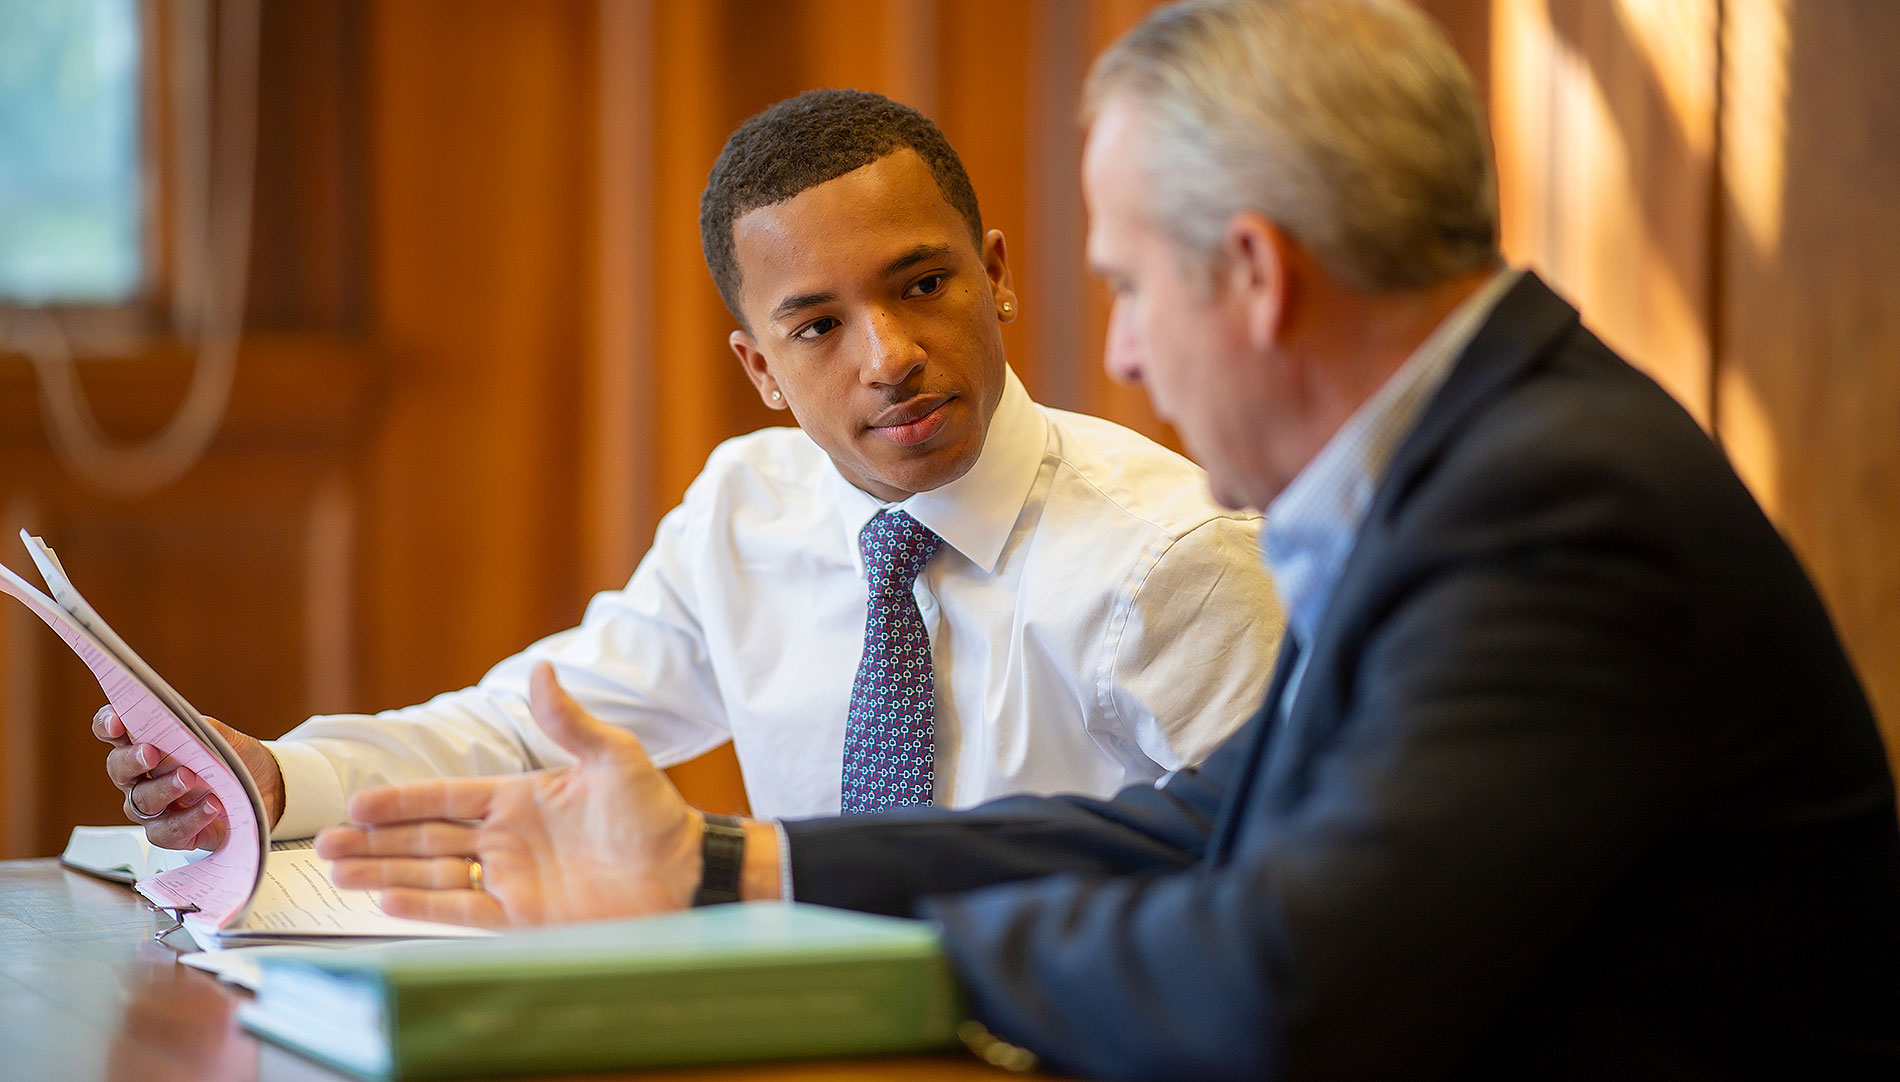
column 1312, row 525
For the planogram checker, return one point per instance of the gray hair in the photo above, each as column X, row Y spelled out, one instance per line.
column 1351, row 124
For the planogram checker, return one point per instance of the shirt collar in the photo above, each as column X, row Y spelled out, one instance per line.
column 1310, row 527
column 975, row 513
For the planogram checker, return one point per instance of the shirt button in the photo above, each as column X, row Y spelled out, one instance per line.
column 926, row 602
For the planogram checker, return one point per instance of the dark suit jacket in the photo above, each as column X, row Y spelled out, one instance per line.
column 1578, row 784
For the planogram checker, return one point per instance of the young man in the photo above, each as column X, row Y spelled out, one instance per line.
column 1564, row 773
column 1047, row 635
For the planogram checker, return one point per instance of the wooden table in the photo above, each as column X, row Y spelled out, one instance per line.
column 86, row 994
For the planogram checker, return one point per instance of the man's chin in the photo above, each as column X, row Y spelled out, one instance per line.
column 933, row 472
column 913, row 473
column 1231, row 495
column 1229, row 499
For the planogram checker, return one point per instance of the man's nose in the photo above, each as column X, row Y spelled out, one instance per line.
column 1121, row 356
column 892, row 353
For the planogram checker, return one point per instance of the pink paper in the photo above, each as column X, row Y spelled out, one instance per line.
column 220, row 886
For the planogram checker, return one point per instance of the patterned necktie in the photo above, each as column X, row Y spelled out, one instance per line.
column 889, row 737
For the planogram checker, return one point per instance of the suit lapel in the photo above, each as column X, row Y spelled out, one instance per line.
column 1528, row 320
column 1259, row 735
column 1526, row 323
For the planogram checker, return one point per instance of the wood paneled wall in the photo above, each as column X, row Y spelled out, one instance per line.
column 1711, row 182
column 1807, row 330
column 237, row 583
column 489, row 356
column 484, row 213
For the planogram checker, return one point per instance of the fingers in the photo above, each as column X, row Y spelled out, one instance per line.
column 422, row 870
column 130, row 764
column 198, row 826
column 473, row 907
column 422, row 873
column 425, row 839
column 154, row 783
column 179, row 789
column 569, row 724
column 210, row 837
column 436, row 798
column 558, row 714
column 107, row 726
column 335, row 843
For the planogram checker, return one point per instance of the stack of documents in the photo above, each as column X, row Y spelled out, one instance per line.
column 122, row 854
column 247, row 891
column 216, row 890
column 295, row 902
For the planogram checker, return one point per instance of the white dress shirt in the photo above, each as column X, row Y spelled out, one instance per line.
column 1095, row 620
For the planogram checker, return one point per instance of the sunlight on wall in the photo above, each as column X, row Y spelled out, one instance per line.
column 1756, row 46
column 1748, row 436
column 1678, row 42
column 1755, row 121
column 1604, row 123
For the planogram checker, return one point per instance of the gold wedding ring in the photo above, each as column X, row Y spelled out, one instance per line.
column 474, row 873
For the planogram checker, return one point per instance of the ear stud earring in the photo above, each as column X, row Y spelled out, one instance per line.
column 776, row 397
column 1008, row 308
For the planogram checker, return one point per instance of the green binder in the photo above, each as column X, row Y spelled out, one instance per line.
column 731, row 982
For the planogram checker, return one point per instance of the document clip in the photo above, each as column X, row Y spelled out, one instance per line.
column 175, row 912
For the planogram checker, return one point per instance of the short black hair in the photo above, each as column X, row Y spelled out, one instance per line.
column 804, row 141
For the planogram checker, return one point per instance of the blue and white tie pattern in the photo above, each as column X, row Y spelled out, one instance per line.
column 889, row 737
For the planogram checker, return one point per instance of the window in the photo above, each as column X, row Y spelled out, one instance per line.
column 71, row 207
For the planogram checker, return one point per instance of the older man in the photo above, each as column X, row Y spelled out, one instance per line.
column 932, row 591
column 1563, row 772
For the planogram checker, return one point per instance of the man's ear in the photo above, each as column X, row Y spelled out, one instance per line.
column 996, row 266
column 746, row 348
column 1257, row 267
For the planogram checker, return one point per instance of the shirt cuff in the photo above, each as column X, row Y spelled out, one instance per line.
column 784, row 862
column 313, row 791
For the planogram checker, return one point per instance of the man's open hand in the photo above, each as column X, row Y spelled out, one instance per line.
column 172, row 802
column 606, row 837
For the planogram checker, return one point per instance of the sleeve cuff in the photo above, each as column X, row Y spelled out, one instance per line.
column 313, row 791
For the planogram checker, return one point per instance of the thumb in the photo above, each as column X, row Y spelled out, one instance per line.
column 568, row 723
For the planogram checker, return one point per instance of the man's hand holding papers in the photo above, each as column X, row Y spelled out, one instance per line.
column 191, row 818
column 607, row 837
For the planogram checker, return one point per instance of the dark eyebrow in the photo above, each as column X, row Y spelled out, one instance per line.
column 802, row 301
column 923, row 253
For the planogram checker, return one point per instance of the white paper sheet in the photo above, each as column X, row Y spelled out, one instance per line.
column 297, row 900
column 122, row 854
